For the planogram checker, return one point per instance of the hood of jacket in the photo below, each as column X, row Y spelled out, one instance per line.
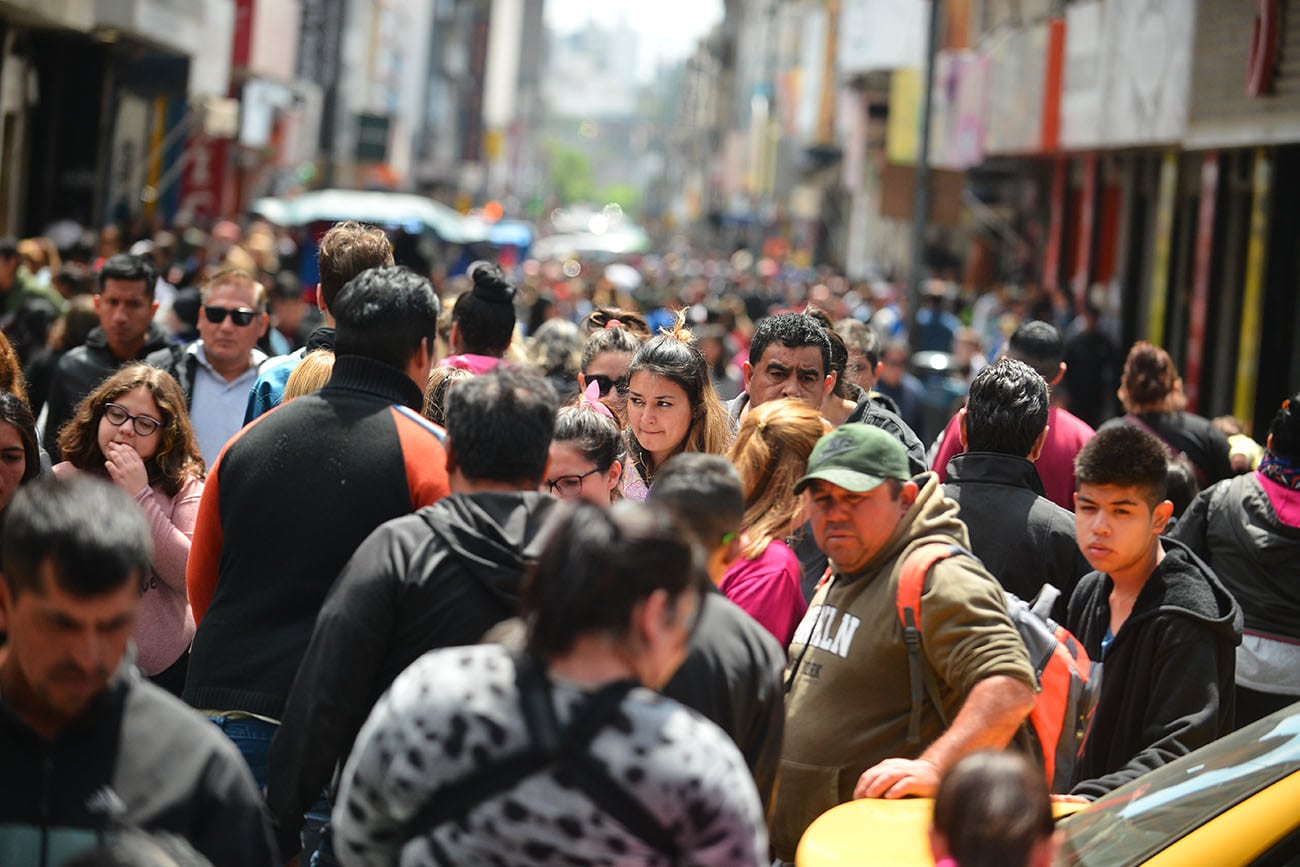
column 1183, row 585
column 493, row 536
column 1255, row 524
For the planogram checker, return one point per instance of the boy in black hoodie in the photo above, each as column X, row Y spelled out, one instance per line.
column 1157, row 617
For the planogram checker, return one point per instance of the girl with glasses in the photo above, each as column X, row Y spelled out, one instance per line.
column 605, row 360
column 134, row 431
column 586, row 457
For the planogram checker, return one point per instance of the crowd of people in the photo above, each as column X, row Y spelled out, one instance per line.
column 504, row 569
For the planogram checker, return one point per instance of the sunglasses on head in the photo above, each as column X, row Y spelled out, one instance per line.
column 606, row 383
column 241, row 315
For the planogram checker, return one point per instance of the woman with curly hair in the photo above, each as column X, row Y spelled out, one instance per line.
column 771, row 454
column 672, row 407
column 134, row 431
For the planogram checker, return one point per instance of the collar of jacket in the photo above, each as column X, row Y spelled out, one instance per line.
column 358, row 373
column 995, row 468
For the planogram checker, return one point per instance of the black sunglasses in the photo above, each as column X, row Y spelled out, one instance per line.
column 241, row 315
column 606, row 383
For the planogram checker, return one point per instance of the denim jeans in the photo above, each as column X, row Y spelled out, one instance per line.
column 253, row 737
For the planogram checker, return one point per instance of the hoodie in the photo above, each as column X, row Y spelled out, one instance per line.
column 440, row 577
column 850, row 697
column 1167, row 675
column 136, row 757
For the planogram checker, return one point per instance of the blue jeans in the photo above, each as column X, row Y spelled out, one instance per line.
column 253, row 737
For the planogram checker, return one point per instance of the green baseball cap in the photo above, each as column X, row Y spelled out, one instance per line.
column 856, row 457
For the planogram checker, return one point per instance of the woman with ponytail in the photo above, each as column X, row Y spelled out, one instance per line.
column 482, row 320
column 771, row 454
column 672, row 407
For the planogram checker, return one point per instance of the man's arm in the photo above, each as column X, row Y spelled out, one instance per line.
column 203, row 566
column 989, row 718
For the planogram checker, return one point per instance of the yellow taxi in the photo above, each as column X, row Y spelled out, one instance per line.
column 1233, row 803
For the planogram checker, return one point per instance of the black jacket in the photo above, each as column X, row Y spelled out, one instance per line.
column 1204, row 445
column 867, row 411
column 733, row 675
column 438, row 578
column 1167, row 677
column 871, row 410
column 1022, row 537
column 80, row 370
column 136, row 758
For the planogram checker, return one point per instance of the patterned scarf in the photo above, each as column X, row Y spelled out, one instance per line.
column 1278, row 469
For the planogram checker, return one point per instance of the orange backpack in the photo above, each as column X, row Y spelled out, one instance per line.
column 1069, row 682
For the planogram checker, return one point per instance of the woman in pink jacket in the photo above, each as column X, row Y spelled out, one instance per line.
column 134, row 431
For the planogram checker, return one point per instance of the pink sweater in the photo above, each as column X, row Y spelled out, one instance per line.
column 767, row 588
column 165, row 624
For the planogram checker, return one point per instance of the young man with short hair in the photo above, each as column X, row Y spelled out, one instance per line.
column 1163, row 626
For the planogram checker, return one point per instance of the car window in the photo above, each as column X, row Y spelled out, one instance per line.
column 1139, row 819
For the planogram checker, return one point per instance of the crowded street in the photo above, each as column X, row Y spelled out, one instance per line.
column 826, row 432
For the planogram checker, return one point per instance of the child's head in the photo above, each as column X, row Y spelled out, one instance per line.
column 993, row 810
column 1120, row 505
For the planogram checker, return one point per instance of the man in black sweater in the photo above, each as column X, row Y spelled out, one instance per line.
column 438, row 578
column 296, row 492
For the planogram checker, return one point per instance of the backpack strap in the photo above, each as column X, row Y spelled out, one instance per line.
column 911, row 584
column 550, row 746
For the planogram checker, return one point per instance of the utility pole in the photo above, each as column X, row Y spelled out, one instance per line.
column 921, row 201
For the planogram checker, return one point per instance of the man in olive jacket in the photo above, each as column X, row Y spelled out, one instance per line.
column 849, row 699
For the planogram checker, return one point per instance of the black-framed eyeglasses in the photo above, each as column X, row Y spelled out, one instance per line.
column 569, row 486
column 217, row 315
column 142, row 424
column 608, row 382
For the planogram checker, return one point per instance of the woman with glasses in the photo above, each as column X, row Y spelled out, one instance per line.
column 586, row 457
column 605, row 360
column 562, row 752
column 771, row 454
column 134, row 431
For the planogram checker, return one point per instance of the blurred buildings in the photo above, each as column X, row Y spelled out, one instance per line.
column 1138, row 155
column 183, row 110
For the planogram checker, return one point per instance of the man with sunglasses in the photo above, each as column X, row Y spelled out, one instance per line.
column 217, row 370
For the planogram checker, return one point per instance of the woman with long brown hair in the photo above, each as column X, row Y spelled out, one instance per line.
column 672, row 407
column 134, row 431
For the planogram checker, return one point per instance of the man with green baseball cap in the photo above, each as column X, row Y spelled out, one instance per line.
column 849, row 695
